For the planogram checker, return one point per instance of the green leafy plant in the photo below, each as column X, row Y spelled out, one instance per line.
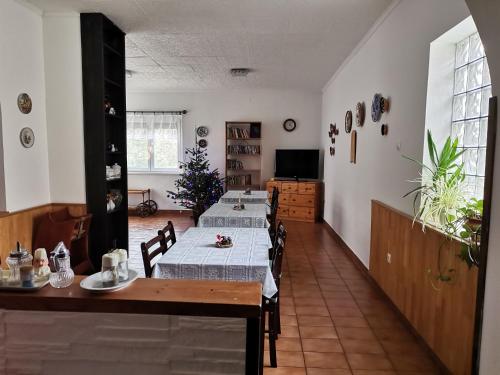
column 471, row 232
column 439, row 198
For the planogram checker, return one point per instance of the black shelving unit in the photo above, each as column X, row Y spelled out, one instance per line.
column 103, row 66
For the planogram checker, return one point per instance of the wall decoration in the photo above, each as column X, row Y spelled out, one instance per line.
column 348, row 121
column 202, row 143
column 24, row 103
column 27, row 137
column 360, row 113
column 379, row 105
column 202, row 131
column 331, row 134
column 384, row 129
column 289, row 125
column 353, row 146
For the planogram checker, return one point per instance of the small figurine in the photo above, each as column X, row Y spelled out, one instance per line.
column 41, row 263
column 113, row 148
column 112, row 111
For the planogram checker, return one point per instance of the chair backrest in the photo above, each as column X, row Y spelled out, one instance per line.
column 169, row 235
column 279, row 249
column 275, row 196
column 281, row 231
column 148, row 255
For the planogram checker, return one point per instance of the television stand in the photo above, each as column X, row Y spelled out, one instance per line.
column 298, row 200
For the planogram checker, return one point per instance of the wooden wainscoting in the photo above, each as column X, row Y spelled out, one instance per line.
column 18, row 226
column 444, row 318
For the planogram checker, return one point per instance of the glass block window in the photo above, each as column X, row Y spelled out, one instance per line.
column 471, row 93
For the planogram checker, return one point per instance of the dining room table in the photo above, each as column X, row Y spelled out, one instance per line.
column 225, row 215
column 239, row 196
column 195, row 256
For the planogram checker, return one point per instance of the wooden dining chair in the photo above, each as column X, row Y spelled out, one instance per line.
column 272, row 215
column 150, row 250
column 169, row 235
column 271, row 305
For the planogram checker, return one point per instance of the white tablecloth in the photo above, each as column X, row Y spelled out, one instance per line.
column 223, row 215
column 256, row 196
column 194, row 256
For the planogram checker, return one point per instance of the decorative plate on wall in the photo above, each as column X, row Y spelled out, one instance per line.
column 202, row 131
column 379, row 105
column 203, row 143
column 24, row 103
column 27, row 137
column 360, row 113
column 348, row 121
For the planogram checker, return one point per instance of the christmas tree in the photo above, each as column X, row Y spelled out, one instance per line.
column 197, row 188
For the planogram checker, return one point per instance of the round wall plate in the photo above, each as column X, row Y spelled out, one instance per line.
column 202, row 131
column 360, row 113
column 24, row 103
column 348, row 121
column 27, row 137
column 289, row 125
column 202, row 143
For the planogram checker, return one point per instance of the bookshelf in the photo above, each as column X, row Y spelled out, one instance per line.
column 103, row 66
column 243, row 155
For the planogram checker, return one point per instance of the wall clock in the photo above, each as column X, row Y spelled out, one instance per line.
column 24, row 103
column 360, row 113
column 27, row 137
column 289, row 125
column 348, row 121
column 202, row 131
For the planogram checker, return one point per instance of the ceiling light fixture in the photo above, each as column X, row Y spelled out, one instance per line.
column 240, row 72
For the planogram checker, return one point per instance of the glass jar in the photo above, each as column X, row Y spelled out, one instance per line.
column 17, row 259
column 109, row 271
column 63, row 275
column 122, row 257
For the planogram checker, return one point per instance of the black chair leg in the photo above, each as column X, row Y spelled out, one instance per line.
column 272, row 339
column 278, row 319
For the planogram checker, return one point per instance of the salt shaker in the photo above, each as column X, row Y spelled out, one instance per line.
column 109, row 271
column 122, row 257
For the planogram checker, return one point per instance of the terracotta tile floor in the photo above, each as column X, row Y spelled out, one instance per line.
column 333, row 321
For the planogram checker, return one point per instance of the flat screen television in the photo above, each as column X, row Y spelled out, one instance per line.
column 296, row 164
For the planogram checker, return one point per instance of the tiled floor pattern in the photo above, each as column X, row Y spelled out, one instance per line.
column 333, row 321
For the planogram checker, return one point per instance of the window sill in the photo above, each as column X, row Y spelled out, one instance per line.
column 154, row 173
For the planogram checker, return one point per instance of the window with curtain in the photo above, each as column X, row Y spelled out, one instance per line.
column 154, row 142
column 471, row 93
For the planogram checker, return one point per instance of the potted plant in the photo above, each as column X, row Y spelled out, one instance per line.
column 439, row 198
column 471, row 232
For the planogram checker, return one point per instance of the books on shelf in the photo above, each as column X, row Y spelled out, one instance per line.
column 243, row 149
column 234, row 164
column 238, row 133
column 239, row 180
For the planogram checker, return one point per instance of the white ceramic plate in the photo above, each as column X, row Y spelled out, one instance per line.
column 93, row 283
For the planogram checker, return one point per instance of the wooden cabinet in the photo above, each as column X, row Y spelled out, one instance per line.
column 299, row 201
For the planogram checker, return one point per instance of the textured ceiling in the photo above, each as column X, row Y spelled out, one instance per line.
column 192, row 44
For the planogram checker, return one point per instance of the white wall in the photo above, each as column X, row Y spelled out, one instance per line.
column 63, row 77
column 22, row 70
column 214, row 108
column 486, row 15
column 392, row 61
